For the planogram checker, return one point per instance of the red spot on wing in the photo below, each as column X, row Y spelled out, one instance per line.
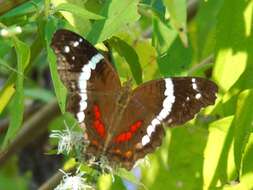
column 126, row 136
column 135, row 126
column 97, row 123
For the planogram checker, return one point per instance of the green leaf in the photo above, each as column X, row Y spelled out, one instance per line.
column 24, row 9
column 218, row 162
column 233, row 44
column 206, row 20
column 17, row 106
column 176, row 61
column 247, row 164
column 118, row 14
column 60, row 90
column 243, row 123
column 7, row 92
column 39, row 94
column 131, row 57
column 79, row 11
column 178, row 12
column 129, row 176
column 163, row 36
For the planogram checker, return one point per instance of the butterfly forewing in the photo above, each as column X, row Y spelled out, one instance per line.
column 91, row 80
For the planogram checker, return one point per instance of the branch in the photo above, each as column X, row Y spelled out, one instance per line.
column 5, row 6
column 31, row 129
column 52, row 182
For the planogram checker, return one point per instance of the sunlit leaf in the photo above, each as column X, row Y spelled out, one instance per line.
column 129, row 54
column 243, row 123
column 178, row 12
column 79, row 11
column 232, row 42
column 216, row 153
column 118, row 14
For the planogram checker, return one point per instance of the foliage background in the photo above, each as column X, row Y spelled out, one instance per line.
column 147, row 39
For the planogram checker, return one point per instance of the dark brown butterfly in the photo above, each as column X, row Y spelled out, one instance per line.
column 120, row 123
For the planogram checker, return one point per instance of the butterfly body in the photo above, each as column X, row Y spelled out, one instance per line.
column 123, row 124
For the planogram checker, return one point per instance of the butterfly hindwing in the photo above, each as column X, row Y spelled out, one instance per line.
column 169, row 101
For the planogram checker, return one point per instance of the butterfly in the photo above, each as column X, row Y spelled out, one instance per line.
column 121, row 123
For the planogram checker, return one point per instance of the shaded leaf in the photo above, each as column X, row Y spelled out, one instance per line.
column 131, row 57
column 60, row 89
column 176, row 61
column 39, row 94
column 23, row 57
column 232, row 42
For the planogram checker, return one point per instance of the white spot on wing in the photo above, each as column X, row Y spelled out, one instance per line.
column 159, row 118
column 73, row 58
column 163, row 114
column 155, row 122
column 76, row 43
column 84, row 96
column 85, row 74
column 94, row 60
column 82, row 81
column 167, row 102
column 83, row 105
column 80, row 116
column 198, row 96
column 165, row 111
column 194, row 86
column 145, row 140
column 66, row 49
column 150, row 130
column 80, row 40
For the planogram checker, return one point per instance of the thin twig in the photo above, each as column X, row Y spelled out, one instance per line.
column 29, row 110
column 203, row 63
column 52, row 182
column 31, row 129
column 5, row 6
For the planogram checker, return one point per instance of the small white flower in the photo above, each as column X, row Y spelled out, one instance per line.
column 102, row 163
column 4, row 32
column 74, row 182
column 67, row 139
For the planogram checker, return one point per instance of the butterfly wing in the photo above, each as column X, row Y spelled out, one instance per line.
column 171, row 101
column 91, row 81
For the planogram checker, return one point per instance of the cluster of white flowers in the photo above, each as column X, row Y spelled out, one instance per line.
column 73, row 182
column 68, row 139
